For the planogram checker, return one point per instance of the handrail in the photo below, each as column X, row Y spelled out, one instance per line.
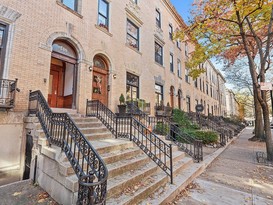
column 188, row 144
column 62, row 131
column 134, row 130
column 8, row 90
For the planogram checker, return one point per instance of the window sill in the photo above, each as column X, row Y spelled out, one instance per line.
column 134, row 49
column 159, row 64
column 69, row 9
column 104, row 30
column 180, row 77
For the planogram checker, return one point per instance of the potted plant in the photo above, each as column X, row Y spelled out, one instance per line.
column 159, row 109
column 168, row 110
column 122, row 105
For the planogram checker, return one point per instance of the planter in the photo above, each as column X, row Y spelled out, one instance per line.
column 122, row 110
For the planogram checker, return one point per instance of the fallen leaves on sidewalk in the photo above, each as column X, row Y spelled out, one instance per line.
column 16, row 193
column 186, row 192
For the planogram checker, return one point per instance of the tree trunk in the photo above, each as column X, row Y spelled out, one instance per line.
column 259, row 129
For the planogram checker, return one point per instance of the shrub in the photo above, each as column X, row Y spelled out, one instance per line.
column 183, row 121
column 161, row 129
column 207, row 136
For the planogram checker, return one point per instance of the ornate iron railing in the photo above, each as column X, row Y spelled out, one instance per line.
column 188, row 144
column 62, row 131
column 134, row 130
column 8, row 90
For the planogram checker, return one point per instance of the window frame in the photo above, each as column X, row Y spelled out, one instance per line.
column 159, row 94
column 158, row 18
column 187, row 77
column 105, row 17
column 171, row 63
column 76, row 5
column 170, row 32
column 3, row 47
column 127, row 34
column 179, row 70
column 188, row 103
column 160, row 59
column 132, row 85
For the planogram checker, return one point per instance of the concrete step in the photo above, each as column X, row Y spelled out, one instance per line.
column 117, row 184
column 64, row 110
column 146, row 186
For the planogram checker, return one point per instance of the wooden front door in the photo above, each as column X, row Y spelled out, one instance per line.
column 53, row 88
column 99, row 85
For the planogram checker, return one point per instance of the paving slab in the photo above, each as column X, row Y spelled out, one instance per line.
column 234, row 177
column 24, row 193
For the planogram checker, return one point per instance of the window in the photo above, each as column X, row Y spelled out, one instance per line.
column 178, row 44
column 158, row 94
column 195, row 83
column 158, row 53
column 188, row 102
column 200, row 84
column 179, row 68
column 103, row 19
column 210, row 91
column 207, row 89
column 72, row 4
column 132, row 35
column 170, row 32
column 171, row 62
column 158, row 18
column 186, row 49
column 135, row 1
column 3, row 44
column 132, row 87
column 187, row 77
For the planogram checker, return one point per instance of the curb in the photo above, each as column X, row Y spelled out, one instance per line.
column 199, row 169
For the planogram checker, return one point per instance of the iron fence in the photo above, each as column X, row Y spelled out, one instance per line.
column 8, row 90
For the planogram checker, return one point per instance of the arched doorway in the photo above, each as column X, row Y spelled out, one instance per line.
column 179, row 94
column 100, row 80
column 63, row 76
column 172, row 96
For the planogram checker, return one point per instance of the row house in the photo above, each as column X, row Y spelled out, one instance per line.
column 73, row 50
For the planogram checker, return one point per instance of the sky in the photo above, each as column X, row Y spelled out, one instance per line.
column 183, row 7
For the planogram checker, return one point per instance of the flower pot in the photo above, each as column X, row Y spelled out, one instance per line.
column 122, row 110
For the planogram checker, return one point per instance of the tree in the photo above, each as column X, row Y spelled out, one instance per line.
column 234, row 29
column 237, row 74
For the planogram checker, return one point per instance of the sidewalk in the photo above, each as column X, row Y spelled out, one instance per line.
column 234, row 178
column 24, row 193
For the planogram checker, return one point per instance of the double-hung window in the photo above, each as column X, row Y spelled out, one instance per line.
column 188, row 103
column 103, row 16
column 132, row 35
column 158, row 94
column 158, row 18
column 3, row 44
column 187, row 77
column 171, row 62
column 170, row 32
column 158, row 53
column 72, row 4
column 178, row 44
column 179, row 68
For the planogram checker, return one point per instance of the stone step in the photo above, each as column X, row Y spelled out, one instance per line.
column 117, row 184
column 64, row 110
column 166, row 194
column 99, row 136
column 85, row 119
column 88, row 124
column 94, row 130
column 148, row 185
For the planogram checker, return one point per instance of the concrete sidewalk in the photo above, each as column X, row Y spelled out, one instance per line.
column 234, row 178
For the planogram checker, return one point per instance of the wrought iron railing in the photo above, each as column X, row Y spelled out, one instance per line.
column 62, row 131
column 8, row 90
column 134, row 130
column 164, row 126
